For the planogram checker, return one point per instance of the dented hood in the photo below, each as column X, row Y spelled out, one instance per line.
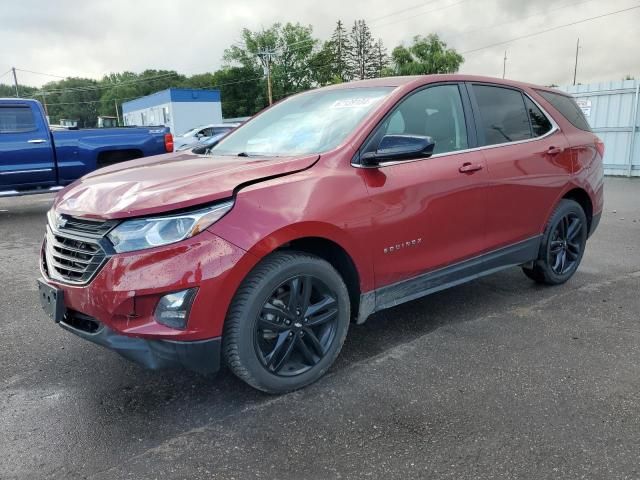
column 168, row 182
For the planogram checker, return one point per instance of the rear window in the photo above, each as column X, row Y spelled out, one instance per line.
column 540, row 124
column 16, row 120
column 503, row 113
column 568, row 107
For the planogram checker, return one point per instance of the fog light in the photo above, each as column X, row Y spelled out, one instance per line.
column 173, row 309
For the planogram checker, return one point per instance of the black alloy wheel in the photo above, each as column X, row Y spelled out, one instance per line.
column 565, row 247
column 562, row 246
column 296, row 326
column 287, row 322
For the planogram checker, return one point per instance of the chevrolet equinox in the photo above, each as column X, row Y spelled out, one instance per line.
column 325, row 208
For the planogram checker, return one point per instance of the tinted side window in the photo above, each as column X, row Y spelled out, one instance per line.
column 540, row 124
column 435, row 112
column 568, row 108
column 16, row 120
column 503, row 115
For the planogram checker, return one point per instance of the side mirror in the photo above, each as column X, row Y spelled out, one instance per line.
column 398, row 148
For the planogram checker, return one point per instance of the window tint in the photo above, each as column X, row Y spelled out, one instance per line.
column 16, row 120
column 503, row 114
column 539, row 122
column 435, row 112
column 568, row 108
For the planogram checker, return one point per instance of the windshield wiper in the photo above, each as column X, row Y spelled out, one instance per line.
column 243, row 154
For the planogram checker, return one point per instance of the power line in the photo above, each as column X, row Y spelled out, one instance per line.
column 397, row 12
column 496, row 25
column 39, row 73
column 444, row 7
column 557, row 27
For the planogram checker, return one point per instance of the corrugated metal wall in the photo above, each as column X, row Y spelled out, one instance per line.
column 613, row 112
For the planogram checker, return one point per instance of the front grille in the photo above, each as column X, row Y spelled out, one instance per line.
column 97, row 228
column 75, row 250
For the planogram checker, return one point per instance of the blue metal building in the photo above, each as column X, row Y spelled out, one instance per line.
column 177, row 108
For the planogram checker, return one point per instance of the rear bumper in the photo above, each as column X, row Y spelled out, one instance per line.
column 202, row 356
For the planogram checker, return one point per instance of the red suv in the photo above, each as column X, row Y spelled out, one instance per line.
column 323, row 209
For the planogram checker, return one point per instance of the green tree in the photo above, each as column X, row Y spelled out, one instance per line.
column 25, row 91
column 427, row 55
column 72, row 98
column 340, row 48
column 288, row 51
column 381, row 59
column 242, row 90
column 362, row 53
column 117, row 88
column 323, row 66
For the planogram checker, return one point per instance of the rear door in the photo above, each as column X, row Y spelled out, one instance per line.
column 527, row 158
column 26, row 156
column 427, row 213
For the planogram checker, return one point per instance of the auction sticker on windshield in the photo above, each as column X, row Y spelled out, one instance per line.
column 355, row 102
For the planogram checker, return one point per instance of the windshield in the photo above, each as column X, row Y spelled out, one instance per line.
column 314, row 122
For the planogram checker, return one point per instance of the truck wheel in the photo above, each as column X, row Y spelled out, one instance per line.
column 562, row 245
column 287, row 322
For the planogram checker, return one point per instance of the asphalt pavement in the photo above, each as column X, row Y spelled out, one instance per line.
column 496, row 379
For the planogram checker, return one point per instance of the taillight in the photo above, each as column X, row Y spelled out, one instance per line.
column 168, row 142
column 600, row 147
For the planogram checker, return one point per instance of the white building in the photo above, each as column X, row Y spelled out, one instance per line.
column 177, row 108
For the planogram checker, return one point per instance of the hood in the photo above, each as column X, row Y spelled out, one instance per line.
column 168, row 182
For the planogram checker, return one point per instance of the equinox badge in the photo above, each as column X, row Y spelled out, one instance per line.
column 400, row 246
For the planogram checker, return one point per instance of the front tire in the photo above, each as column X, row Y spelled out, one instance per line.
column 563, row 245
column 287, row 322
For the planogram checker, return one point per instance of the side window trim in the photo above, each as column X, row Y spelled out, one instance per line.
column 468, row 120
column 482, row 142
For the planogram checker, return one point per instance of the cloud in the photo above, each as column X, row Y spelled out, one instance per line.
column 81, row 38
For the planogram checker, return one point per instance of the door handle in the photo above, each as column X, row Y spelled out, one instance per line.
column 555, row 150
column 37, row 140
column 470, row 167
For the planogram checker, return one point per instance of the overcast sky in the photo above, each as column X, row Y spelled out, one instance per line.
column 91, row 38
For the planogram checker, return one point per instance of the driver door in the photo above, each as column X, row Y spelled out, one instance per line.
column 428, row 213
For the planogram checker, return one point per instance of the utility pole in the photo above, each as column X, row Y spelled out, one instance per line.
column 15, row 81
column 265, row 58
column 504, row 64
column 44, row 102
column 575, row 69
column 115, row 102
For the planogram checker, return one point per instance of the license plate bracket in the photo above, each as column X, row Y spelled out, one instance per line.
column 52, row 301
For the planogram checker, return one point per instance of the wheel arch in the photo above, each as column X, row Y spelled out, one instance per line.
column 581, row 196
column 339, row 259
column 349, row 257
column 578, row 194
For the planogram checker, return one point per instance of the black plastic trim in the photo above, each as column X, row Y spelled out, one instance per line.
column 201, row 356
column 450, row 276
column 595, row 221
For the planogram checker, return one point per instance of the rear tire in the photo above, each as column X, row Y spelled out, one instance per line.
column 562, row 245
column 287, row 322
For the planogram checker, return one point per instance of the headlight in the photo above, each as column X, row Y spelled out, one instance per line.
column 150, row 232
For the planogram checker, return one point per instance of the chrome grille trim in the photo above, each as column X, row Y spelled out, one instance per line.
column 75, row 252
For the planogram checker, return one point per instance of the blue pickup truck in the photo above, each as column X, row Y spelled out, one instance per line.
column 35, row 159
